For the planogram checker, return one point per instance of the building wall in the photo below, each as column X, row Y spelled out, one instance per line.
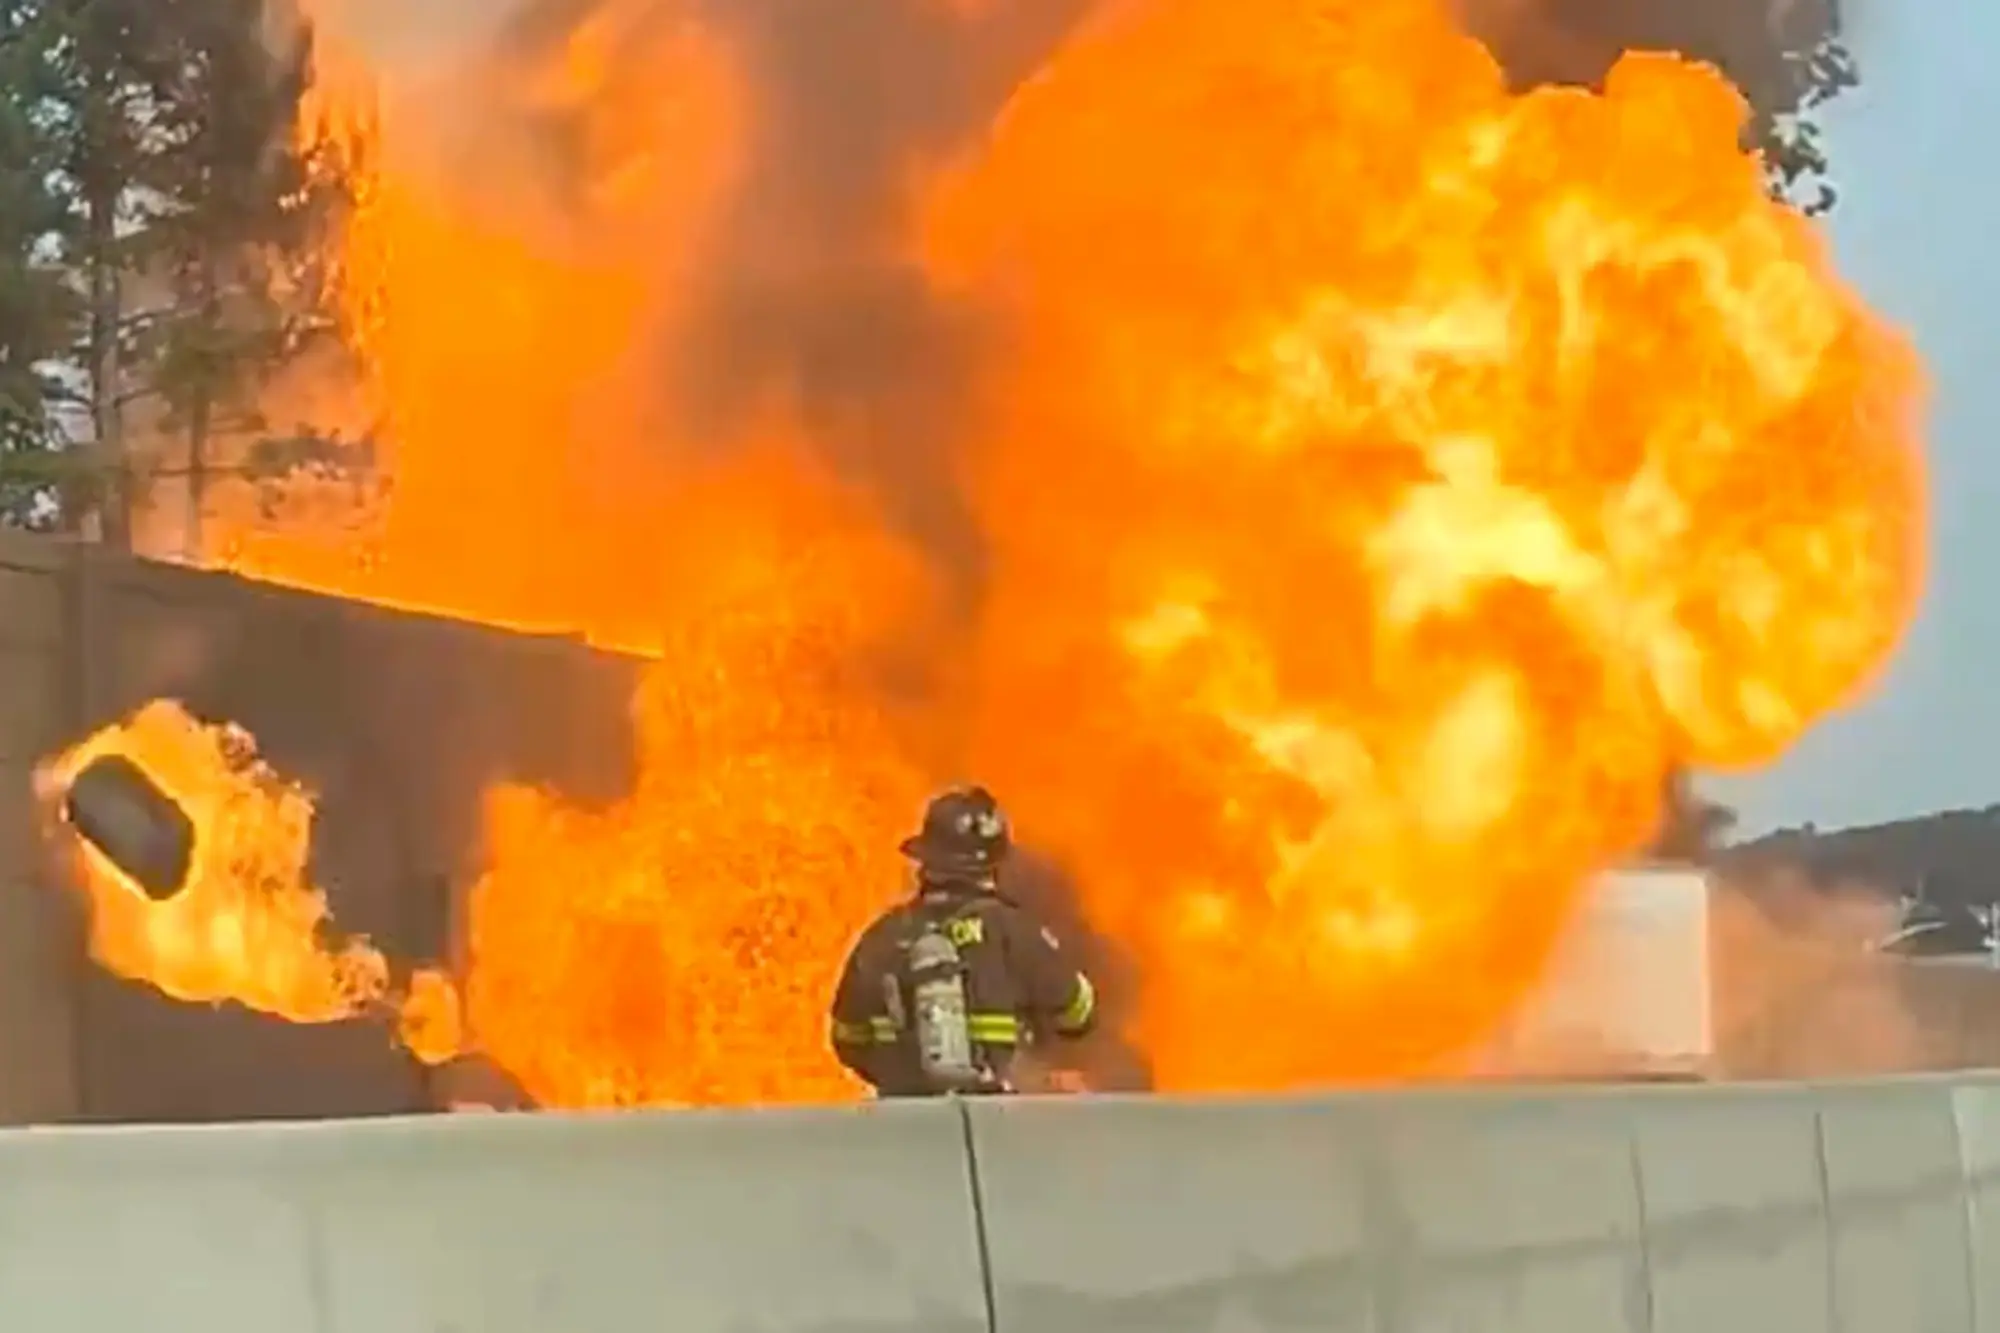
column 39, row 948
column 398, row 721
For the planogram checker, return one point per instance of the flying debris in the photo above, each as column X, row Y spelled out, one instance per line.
column 121, row 812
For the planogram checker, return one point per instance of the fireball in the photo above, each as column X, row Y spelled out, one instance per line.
column 1378, row 481
column 1389, row 478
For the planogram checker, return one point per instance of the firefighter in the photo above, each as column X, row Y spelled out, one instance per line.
column 941, row 992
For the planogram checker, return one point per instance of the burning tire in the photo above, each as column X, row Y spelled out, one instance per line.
column 125, row 815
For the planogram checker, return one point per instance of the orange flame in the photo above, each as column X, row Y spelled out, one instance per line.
column 465, row 263
column 680, row 948
column 247, row 925
column 1422, row 471
column 1383, row 479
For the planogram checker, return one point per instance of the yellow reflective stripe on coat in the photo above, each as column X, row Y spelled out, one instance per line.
column 994, row 1029
column 1078, row 1013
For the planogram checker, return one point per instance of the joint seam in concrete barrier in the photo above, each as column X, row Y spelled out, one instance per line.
column 1823, row 1182
column 1969, row 1202
column 982, row 1250
column 319, row 1295
column 1645, row 1317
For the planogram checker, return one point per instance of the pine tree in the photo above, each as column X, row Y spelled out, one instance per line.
column 180, row 225
column 243, row 249
column 36, row 309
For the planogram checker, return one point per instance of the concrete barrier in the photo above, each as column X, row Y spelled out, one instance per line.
column 1733, row 1195
column 1515, row 1213
column 1484, row 1211
column 1899, row 1227
column 1766, row 1209
column 1976, row 1118
column 1142, row 1214
column 834, row 1221
column 1840, row 1208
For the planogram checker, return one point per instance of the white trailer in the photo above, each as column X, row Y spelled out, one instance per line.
column 1630, row 993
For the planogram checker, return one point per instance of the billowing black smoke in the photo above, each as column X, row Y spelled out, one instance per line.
column 814, row 293
column 1107, row 1062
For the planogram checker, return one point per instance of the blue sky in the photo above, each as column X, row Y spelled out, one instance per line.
column 1916, row 230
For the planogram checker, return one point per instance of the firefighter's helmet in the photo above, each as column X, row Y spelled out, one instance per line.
column 964, row 834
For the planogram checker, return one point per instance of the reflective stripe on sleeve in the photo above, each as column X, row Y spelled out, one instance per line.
column 1081, row 1007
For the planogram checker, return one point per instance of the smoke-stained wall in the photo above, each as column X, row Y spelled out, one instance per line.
column 398, row 721
column 40, row 956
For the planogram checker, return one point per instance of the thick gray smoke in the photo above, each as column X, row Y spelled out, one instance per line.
column 814, row 292
column 811, row 294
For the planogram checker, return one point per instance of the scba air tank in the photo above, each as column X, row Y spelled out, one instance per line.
column 940, row 1014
